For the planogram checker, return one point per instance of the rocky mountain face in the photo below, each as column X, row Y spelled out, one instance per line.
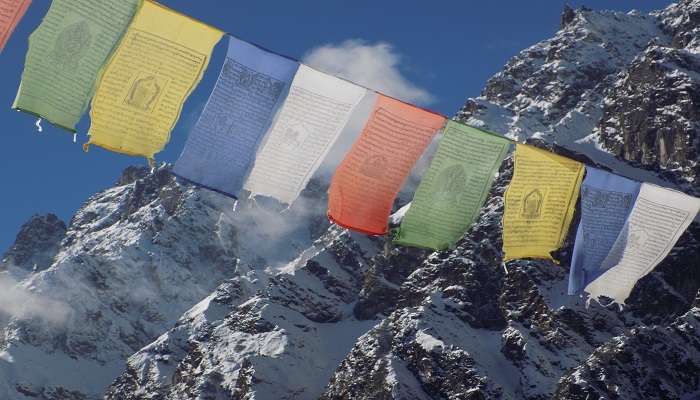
column 620, row 88
column 159, row 290
column 37, row 244
column 651, row 112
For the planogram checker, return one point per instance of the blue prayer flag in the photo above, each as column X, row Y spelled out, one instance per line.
column 221, row 148
column 606, row 202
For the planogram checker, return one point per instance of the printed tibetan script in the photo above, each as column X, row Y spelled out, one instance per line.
column 658, row 219
column 369, row 178
column 66, row 53
column 157, row 65
column 539, row 203
column 11, row 12
column 606, row 201
column 221, row 147
column 454, row 188
column 313, row 115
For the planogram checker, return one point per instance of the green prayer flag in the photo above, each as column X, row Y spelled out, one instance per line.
column 66, row 53
column 453, row 189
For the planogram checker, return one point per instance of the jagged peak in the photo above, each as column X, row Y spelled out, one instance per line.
column 681, row 20
column 597, row 43
column 131, row 174
column 36, row 243
column 160, row 175
column 449, row 324
column 567, row 16
column 688, row 7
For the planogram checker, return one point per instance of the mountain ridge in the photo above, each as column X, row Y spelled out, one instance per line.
column 168, row 293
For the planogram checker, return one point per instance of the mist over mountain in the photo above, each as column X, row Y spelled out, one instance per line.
column 157, row 289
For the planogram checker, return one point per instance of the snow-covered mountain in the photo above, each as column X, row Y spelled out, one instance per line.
column 159, row 290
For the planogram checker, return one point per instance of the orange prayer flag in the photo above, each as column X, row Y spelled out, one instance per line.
column 11, row 11
column 366, row 183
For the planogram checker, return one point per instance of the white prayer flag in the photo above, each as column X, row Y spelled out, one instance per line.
column 315, row 112
column 658, row 219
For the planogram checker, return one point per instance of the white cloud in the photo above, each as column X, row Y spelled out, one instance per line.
column 277, row 238
column 17, row 302
column 372, row 65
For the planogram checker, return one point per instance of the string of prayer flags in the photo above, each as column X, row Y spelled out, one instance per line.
column 454, row 188
column 367, row 181
column 220, row 149
column 606, row 202
column 658, row 219
column 146, row 81
column 315, row 112
column 11, row 12
column 539, row 203
column 65, row 55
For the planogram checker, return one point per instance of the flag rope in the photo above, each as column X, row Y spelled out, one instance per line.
column 513, row 141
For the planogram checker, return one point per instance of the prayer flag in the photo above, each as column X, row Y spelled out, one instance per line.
column 220, row 149
column 454, row 188
column 11, row 12
column 606, row 201
column 65, row 55
column 367, row 181
column 145, row 83
column 313, row 115
column 658, row 219
column 539, row 203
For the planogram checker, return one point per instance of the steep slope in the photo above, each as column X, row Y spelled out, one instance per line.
column 650, row 113
column 467, row 329
column 119, row 272
column 259, row 303
column 666, row 360
column 134, row 258
column 37, row 243
column 282, row 337
column 457, row 324
column 613, row 86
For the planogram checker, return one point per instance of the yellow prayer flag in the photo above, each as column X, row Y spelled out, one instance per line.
column 160, row 60
column 539, row 203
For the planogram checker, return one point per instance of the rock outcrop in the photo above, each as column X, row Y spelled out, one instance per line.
column 168, row 293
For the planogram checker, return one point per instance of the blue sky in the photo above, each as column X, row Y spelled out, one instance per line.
column 444, row 52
